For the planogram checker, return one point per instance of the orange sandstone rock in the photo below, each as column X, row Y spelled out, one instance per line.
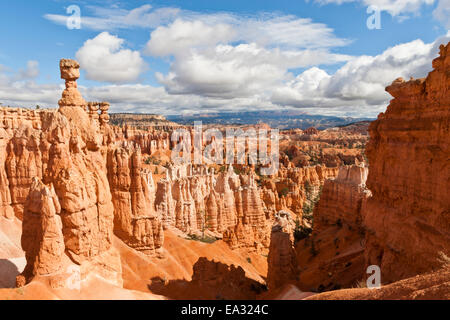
column 282, row 261
column 72, row 162
column 342, row 199
column 408, row 216
column 133, row 196
column 42, row 238
column 333, row 256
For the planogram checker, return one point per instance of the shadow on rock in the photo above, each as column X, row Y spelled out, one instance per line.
column 8, row 273
column 210, row 281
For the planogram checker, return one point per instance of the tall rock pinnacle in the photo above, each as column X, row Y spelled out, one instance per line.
column 71, row 97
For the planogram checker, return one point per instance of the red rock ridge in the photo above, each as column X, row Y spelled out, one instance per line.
column 408, row 216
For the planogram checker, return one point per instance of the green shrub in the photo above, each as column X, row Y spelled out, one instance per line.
column 284, row 192
column 307, row 209
column 205, row 239
column 301, row 232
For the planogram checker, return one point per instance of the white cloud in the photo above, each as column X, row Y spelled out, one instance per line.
column 104, row 59
column 442, row 13
column 360, row 83
column 149, row 99
column 115, row 18
column 394, row 7
column 225, row 61
column 183, row 35
column 199, row 30
column 238, row 71
column 123, row 97
column 227, row 56
column 288, row 32
column 30, row 72
column 356, row 89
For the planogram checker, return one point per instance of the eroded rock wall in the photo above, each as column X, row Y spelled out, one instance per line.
column 332, row 257
column 133, row 197
column 408, row 216
column 282, row 260
column 342, row 199
column 74, row 202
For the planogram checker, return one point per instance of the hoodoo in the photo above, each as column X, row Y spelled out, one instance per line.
column 76, row 201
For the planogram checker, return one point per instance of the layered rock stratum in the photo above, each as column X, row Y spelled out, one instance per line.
column 408, row 216
column 399, row 218
column 333, row 256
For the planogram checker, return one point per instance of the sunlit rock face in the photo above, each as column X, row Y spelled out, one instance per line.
column 42, row 239
column 133, row 196
column 332, row 256
column 342, row 199
column 58, row 181
column 408, row 216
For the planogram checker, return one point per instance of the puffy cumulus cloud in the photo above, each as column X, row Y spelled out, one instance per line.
column 183, row 35
column 104, row 59
column 18, row 88
column 126, row 98
column 356, row 89
column 123, row 97
column 226, row 55
column 394, row 7
column 29, row 94
column 360, row 83
column 238, row 71
column 188, row 26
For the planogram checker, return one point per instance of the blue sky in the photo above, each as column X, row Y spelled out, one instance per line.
column 202, row 55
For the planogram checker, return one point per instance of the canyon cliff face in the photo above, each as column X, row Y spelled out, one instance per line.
column 6, row 210
column 342, row 199
column 149, row 141
column 332, row 257
column 236, row 208
column 181, row 198
column 282, row 260
column 195, row 200
column 294, row 188
column 133, row 197
column 75, row 182
column 408, row 216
